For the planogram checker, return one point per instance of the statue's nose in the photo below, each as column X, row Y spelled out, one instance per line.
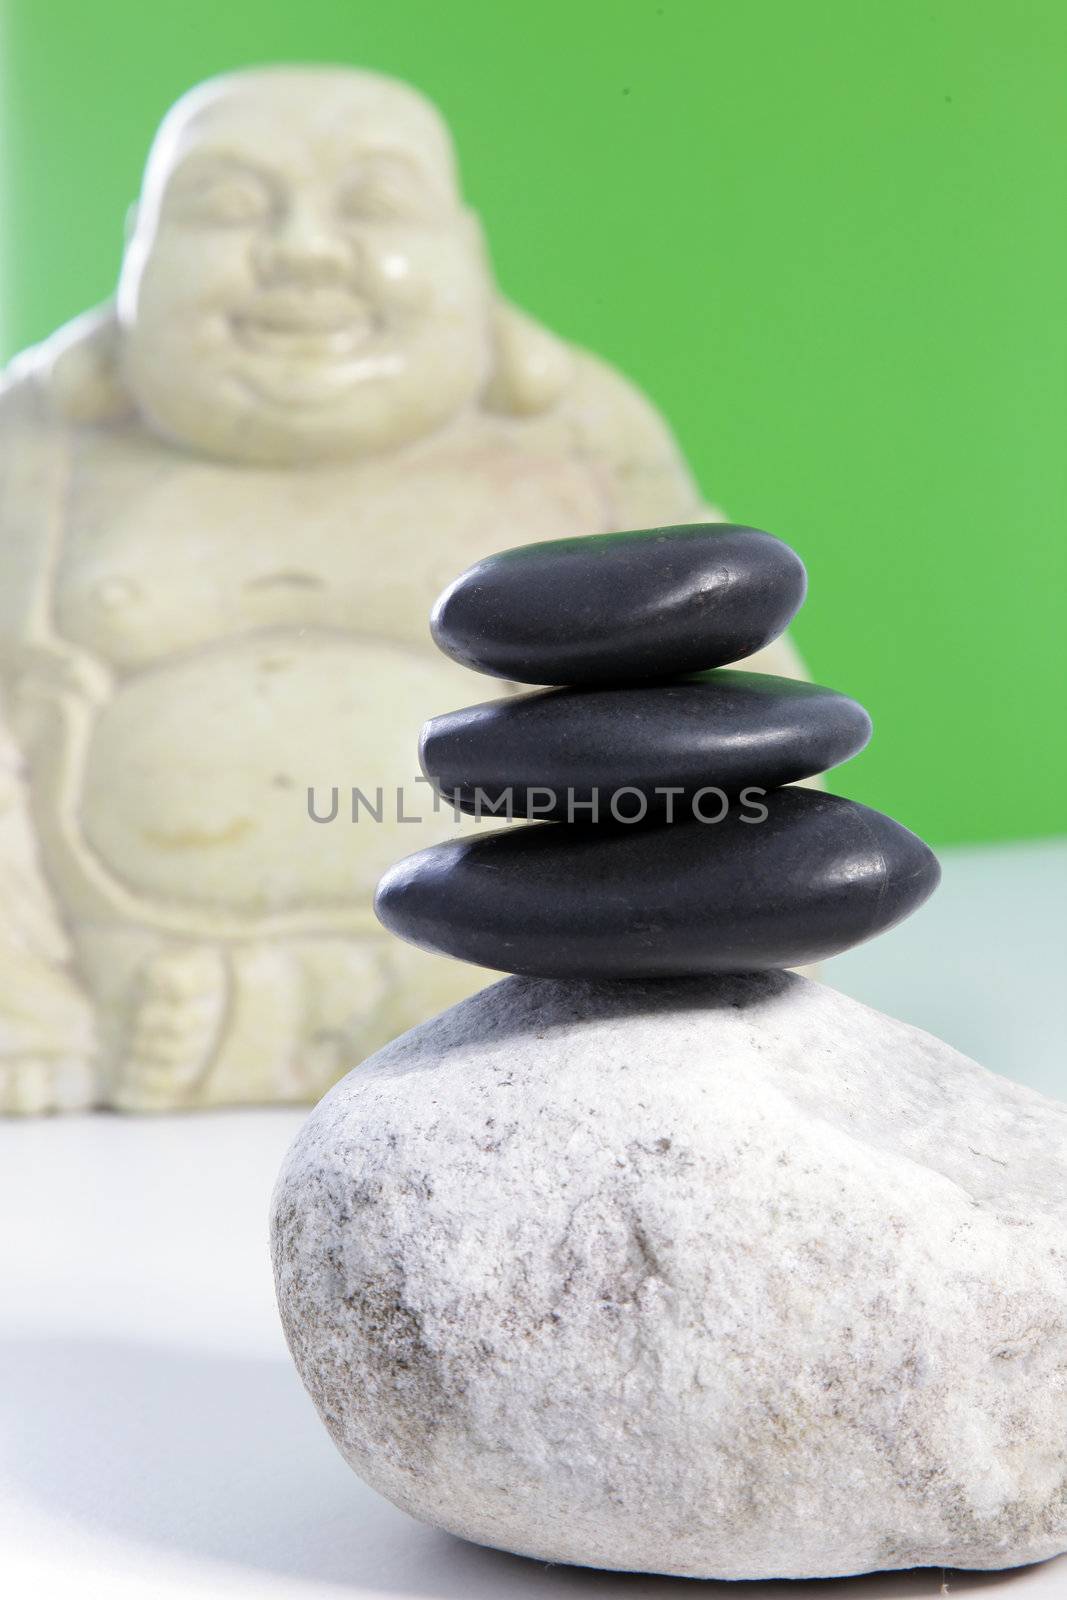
column 302, row 248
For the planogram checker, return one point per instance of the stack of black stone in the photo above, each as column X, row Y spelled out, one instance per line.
column 661, row 839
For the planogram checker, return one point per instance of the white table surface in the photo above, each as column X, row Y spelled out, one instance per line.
column 154, row 1438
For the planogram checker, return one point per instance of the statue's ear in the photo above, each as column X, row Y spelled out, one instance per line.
column 532, row 369
column 79, row 369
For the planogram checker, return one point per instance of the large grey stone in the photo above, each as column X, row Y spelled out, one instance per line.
column 730, row 1278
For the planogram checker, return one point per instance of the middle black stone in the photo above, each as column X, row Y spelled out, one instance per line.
column 722, row 729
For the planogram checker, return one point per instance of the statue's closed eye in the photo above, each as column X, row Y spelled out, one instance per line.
column 385, row 188
column 230, row 198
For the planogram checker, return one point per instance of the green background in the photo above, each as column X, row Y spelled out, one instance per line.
column 829, row 239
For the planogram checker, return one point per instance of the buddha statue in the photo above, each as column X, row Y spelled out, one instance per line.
column 227, row 501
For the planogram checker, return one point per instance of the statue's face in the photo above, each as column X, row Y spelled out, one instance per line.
column 303, row 282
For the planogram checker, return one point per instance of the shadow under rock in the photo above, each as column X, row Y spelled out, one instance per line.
column 221, row 1457
column 517, row 1005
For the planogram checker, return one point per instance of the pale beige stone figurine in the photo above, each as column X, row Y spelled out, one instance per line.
column 227, row 503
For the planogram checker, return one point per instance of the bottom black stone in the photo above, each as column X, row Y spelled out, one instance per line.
column 819, row 875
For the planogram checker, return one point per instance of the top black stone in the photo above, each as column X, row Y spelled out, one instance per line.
column 621, row 607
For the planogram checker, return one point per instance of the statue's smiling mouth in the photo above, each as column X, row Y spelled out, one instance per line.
column 306, row 382
column 315, row 327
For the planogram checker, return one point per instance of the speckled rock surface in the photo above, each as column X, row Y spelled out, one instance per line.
column 723, row 1277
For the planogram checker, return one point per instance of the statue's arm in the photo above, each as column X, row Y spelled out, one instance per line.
column 25, row 485
column 46, row 1024
column 38, row 395
column 646, row 477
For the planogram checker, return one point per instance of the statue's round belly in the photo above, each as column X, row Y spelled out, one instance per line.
column 198, row 772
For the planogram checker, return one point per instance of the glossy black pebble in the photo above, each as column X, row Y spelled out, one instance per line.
column 819, row 875
column 727, row 729
column 621, row 606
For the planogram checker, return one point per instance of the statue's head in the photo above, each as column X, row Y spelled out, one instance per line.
column 303, row 281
